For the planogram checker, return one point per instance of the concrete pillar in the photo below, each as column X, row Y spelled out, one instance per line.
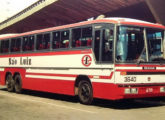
column 157, row 9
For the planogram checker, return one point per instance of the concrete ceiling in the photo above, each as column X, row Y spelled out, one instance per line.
column 60, row 12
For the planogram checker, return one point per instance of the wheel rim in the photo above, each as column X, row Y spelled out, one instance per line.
column 17, row 83
column 8, row 82
column 85, row 92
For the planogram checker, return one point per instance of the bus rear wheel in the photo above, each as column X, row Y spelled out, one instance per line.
column 18, row 83
column 85, row 92
column 10, row 83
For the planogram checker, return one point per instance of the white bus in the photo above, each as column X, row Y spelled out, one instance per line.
column 109, row 58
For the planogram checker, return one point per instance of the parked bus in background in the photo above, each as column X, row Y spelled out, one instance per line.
column 109, row 58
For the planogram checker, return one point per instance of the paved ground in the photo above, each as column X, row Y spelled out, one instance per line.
column 33, row 105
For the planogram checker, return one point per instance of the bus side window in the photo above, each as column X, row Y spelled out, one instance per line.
column 46, row 41
column 4, row 46
column 76, row 35
column 56, row 40
column 39, row 42
column 12, row 47
column 31, row 43
column 82, row 37
column 86, row 39
column 97, row 44
column 107, row 46
column 64, row 43
column 28, row 43
column 15, row 45
column 25, row 44
column 18, row 44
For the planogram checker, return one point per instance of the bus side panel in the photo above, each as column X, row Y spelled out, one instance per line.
column 107, row 91
column 13, row 71
column 50, row 85
column 2, row 78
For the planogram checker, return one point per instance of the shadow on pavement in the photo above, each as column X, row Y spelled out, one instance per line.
column 130, row 103
column 120, row 104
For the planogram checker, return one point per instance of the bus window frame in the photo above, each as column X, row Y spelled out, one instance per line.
column 82, row 27
column 35, row 41
column 163, row 38
column 104, row 26
column 21, row 41
column 8, row 48
column 28, row 51
column 164, row 45
column 145, row 45
column 60, row 30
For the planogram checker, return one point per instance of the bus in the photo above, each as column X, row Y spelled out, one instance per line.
column 108, row 58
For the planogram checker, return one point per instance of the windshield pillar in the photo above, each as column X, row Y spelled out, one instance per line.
column 164, row 46
column 146, row 45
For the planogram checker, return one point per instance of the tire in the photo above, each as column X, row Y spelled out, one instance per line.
column 10, row 83
column 18, row 83
column 85, row 92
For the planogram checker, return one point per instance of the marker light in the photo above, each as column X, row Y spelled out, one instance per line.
column 123, row 73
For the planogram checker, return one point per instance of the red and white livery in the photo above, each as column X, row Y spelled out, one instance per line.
column 109, row 58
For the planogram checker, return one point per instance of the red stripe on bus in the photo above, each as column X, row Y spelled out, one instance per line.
column 49, row 53
column 134, row 70
column 106, row 77
column 49, row 74
column 134, row 65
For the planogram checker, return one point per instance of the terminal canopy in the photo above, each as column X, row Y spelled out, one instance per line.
column 50, row 13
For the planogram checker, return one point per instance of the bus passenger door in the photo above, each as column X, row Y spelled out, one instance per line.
column 103, row 48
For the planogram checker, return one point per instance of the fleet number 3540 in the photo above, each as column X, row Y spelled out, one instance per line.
column 129, row 79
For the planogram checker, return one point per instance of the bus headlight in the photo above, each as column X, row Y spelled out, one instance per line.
column 134, row 90
column 127, row 91
column 162, row 89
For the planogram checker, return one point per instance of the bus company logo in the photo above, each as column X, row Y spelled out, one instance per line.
column 86, row 60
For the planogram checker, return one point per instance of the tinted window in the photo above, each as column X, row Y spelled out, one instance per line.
column 103, row 44
column 56, row 40
column 97, row 44
column 64, row 39
column 60, row 39
column 28, row 43
column 107, row 46
column 46, row 41
column 15, row 45
column 43, row 41
column 82, row 37
column 4, row 46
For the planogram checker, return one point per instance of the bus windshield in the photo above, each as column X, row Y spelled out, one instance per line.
column 131, row 44
column 155, row 44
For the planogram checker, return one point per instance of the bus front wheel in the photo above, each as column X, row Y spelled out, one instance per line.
column 10, row 83
column 85, row 92
column 18, row 83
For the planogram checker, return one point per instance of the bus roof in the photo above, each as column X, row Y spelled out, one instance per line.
column 113, row 20
column 136, row 22
column 7, row 35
